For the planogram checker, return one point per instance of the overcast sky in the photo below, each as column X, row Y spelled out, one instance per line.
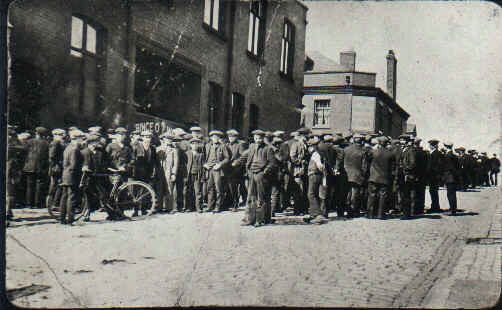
column 449, row 72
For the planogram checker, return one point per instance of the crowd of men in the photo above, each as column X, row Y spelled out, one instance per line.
column 301, row 172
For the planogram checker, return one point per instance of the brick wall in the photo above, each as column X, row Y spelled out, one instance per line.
column 41, row 37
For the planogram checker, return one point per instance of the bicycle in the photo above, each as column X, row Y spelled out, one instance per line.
column 123, row 200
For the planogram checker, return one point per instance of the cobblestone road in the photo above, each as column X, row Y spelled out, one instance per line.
column 204, row 259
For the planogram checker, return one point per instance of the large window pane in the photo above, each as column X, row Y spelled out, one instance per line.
column 256, row 36
column 216, row 14
column 250, row 34
column 77, row 31
column 91, row 39
column 207, row 12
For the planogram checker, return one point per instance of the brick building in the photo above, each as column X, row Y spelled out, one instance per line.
column 215, row 63
column 338, row 98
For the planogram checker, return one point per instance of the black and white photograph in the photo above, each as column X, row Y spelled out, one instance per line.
column 252, row 153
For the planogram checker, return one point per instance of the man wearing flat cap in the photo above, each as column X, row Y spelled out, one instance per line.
column 195, row 162
column 13, row 174
column 236, row 173
column 70, row 180
column 380, row 179
column 118, row 152
column 56, row 149
column 36, row 168
column 407, row 178
column 450, row 176
column 354, row 163
column 260, row 165
column 421, row 171
column 299, row 157
column 494, row 169
column 434, row 175
column 218, row 156
column 168, row 156
column 144, row 162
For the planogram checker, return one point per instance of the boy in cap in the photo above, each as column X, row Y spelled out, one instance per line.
column 36, row 168
column 72, row 172
column 195, row 162
column 218, row 156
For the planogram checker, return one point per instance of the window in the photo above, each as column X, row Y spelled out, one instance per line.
column 287, row 49
column 214, row 102
column 213, row 14
column 237, row 111
column 321, row 113
column 87, row 62
column 256, row 35
column 253, row 117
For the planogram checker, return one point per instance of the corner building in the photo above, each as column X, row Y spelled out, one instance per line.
column 337, row 98
column 157, row 64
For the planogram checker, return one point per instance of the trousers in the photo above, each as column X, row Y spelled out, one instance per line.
column 377, row 196
column 35, row 188
column 313, row 195
column 68, row 203
column 215, row 190
column 257, row 206
column 451, row 193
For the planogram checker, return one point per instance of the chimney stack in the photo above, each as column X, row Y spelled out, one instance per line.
column 348, row 60
column 391, row 74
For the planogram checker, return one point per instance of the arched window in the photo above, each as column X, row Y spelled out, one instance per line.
column 87, row 61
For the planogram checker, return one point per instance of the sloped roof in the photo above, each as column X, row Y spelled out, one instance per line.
column 323, row 63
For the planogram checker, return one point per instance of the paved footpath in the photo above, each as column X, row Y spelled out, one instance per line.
column 194, row 259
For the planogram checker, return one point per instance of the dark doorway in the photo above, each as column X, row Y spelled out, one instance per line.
column 166, row 89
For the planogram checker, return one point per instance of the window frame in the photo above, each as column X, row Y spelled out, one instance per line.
column 214, row 103
column 238, row 105
column 326, row 113
column 288, row 37
column 257, row 38
column 99, row 37
column 220, row 32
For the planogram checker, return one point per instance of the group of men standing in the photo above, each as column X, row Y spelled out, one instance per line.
column 308, row 173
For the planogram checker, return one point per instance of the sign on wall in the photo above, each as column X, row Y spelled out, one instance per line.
column 154, row 124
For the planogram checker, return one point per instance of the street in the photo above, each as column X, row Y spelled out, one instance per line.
column 191, row 259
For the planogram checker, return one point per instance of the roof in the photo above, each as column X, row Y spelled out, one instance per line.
column 323, row 63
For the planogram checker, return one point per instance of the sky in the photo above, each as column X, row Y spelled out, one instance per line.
column 449, row 70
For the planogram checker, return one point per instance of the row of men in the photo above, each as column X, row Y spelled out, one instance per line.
column 320, row 173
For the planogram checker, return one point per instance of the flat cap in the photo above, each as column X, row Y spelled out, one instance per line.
column 179, row 131
column 232, row 132
column 461, row 149
column 382, row 140
column 358, row 136
column 121, row 130
column 76, row 134
column 195, row 128
column 277, row 140
column 303, row 131
column 278, row 133
column 58, row 132
column 72, row 128
column 187, row 136
column 294, row 134
column 95, row 129
column 328, row 138
column 195, row 140
column 146, row 133
column 93, row 138
column 215, row 132
column 448, row 144
column 258, row 132
column 433, row 141
column 41, row 130
column 109, row 130
column 23, row 135
column 404, row 136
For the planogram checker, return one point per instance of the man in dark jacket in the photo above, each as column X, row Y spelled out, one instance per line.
column 421, row 172
column 236, row 174
column 217, row 157
column 13, row 172
column 71, row 177
column 494, row 169
column 260, row 165
column 353, row 164
column 434, row 175
column 36, row 168
column 380, row 178
column 408, row 181
column 56, row 149
column 450, row 176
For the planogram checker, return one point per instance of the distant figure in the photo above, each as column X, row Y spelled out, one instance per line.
column 494, row 169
